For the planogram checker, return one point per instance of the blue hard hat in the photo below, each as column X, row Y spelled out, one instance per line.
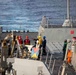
column 44, row 37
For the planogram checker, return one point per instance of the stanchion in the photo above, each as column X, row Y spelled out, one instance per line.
column 52, row 68
column 46, row 58
column 50, row 62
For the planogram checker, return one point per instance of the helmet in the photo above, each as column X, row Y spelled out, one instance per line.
column 44, row 37
column 39, row 37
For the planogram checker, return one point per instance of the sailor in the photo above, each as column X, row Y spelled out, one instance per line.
column 9, row 48
column 64, row 48
column 69, row 56
column 24, row 54
column 9, row 70
column 20, row 40
column 40, row 41
column 37, row 44
column 44, row 45
column 27, row 41
column 35, row 52
column 73, row 44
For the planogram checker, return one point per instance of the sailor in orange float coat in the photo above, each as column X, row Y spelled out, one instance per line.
column 69, row 56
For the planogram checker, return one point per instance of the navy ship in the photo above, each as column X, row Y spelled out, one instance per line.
column 52, row 63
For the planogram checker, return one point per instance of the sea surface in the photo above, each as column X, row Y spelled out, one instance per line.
column 27, row 14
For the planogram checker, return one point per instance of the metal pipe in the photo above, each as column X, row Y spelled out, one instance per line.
column 19, row 49
column 59, row 70
column 63, row 69
column 68, row 9
column 47, row 22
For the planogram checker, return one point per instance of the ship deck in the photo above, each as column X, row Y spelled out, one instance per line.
column 56, row 60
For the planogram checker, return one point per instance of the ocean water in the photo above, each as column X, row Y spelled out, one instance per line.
column 27, row 14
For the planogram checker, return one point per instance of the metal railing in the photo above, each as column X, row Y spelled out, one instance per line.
column 58, row 22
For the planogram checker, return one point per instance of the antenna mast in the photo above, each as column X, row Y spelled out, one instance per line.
column 68, row 9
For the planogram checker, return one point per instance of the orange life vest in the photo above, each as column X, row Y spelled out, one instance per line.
column 69, row 55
